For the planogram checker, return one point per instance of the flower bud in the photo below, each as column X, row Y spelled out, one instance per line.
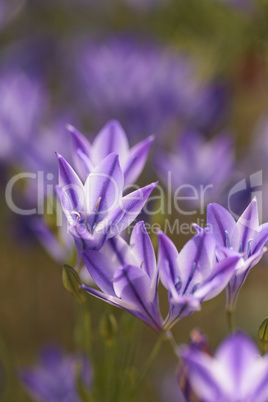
column 72, row 282
column 263, row 334
column 108, row 328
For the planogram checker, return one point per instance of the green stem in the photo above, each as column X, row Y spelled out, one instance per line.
column 152, row 355
column 230, row 320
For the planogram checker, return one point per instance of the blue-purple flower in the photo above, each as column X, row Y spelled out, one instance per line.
column 97, row 210
column 193, row 275
column 198, row 169
column 56, row 376
column 146, row 87
column 127, row 275
column 245, row 236
column 21, row 108
column 236, row 372
column 111, row 138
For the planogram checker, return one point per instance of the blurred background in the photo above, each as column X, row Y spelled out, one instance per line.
column 194, row 74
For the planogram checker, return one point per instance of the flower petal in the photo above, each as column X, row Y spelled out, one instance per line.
column 72, row 192
column 101, row 269
column 237, row 354
column 167, row 260
column 219, row 278
column 221, row 222
column 136, row 160
column 204, row 374
column 131, row 206
column 111, row 138
column 248, row 224
column 115, row 301
column 196, row 261
column 103, row 188
column 132, row 284
column 260, row 239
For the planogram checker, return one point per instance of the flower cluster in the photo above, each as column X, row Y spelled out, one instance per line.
column 127, row 274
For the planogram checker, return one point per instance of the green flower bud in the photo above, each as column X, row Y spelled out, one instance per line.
column 108, row 328
column 72, row 282
column 263, row 334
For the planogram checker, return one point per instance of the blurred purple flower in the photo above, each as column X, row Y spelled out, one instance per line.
column 97, row 210
column 127, row 275
column 199, row 168
column 147, row 87
column 198, row 341
column 22, row 104
column 245, row 236
column 111, row 138
column 193, row 275
column 56, row 376
column 236, row 373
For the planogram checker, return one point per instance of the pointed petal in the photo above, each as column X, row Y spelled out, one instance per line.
column 239, row 277
column 196, row 260
column 79, row 141
column 204, row 374
column 220, row 221
column 131, row 206
column 80, row 152
column 136, row 160
column 103, row 188
column 142, row 248
column 219, row 279
column 101, row 269
column 260, row 239
column 132, row 284
column 248, row 224
column 118, row 250
column 115, row 301
column 167, row 260
column 111, row 138
column 72, row 191
column 236, row 355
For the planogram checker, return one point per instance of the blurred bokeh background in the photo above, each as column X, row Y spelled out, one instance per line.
column 185, row 71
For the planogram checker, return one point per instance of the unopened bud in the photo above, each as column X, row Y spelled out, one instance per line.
column 108, row 328
column 72, row 282
column 263, row 334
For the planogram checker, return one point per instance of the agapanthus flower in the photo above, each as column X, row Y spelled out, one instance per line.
column 56, row 376
column 97, row 210
column 111, row 138
column 145, row 86
column 127, row 275
column 236, row 372
column 193, row 275
column 245, row 236
column 199, row 169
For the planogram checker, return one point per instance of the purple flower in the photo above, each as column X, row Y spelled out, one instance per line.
column 193, row 275
column 21, row 108
column 245, row 236
column 235, row 373
column 97, row 210
column 127, row 275
column 198, row 169
column 55, row 377
column 111, row 138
